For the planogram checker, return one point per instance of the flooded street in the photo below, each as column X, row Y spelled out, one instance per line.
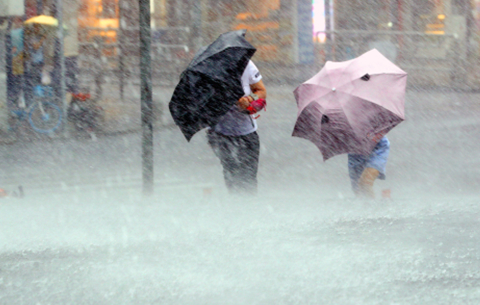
column 84, row 235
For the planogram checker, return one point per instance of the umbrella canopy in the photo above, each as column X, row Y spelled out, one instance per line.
column 211, row 84
column 47, row 24
column 349, row 106
column 42, row 20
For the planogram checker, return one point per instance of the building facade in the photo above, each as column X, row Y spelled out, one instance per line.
column 281, row 30
column 272, row 24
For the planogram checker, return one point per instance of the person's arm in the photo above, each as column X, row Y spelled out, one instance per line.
column 258, row 89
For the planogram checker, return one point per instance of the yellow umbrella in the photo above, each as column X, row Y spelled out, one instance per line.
column 43, row 20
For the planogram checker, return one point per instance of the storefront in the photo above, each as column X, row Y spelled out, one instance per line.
column 95, row 17
column 281, row 30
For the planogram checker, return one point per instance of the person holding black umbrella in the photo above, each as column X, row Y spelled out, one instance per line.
column 220, row 90
column 235, row 140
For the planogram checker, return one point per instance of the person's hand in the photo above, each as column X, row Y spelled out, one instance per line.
column 244, row 102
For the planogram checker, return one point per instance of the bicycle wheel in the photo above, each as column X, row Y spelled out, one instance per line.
column 45, row 117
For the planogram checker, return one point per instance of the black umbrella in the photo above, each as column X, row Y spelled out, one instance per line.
column 211, row 84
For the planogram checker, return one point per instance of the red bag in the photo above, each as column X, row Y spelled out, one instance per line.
column 256, row 106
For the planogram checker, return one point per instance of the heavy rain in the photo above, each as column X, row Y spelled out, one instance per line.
column 147, row 156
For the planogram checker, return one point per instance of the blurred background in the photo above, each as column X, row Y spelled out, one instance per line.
column 436, row 41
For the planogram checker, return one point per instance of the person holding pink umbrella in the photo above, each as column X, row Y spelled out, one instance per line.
column 349, row 107
column 364, row 170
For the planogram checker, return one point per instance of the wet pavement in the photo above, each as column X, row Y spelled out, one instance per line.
column 84, row 235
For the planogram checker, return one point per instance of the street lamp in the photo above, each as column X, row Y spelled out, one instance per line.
column 146, row 97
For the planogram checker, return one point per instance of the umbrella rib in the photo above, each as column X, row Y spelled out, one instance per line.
column 222, row 50
column 372, row 102
column 381, row 73
column 321, row 86
column 375, row 74
column 348, row 119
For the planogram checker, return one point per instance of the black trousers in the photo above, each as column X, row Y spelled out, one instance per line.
column 239, row 157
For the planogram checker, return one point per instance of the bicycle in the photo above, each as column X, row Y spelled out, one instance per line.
column 44, row 117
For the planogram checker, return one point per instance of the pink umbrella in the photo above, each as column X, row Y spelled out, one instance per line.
column 349, row 106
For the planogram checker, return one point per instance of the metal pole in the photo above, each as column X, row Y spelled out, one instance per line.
column 121, row 49
column 8, row 63
column 61, row 62
column 146, row 97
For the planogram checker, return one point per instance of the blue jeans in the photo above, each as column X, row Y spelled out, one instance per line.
column 377, row 160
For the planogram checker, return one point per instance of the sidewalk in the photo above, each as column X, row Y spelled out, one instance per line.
column 120, row 116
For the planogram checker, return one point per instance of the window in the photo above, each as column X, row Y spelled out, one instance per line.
column 109, row 9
